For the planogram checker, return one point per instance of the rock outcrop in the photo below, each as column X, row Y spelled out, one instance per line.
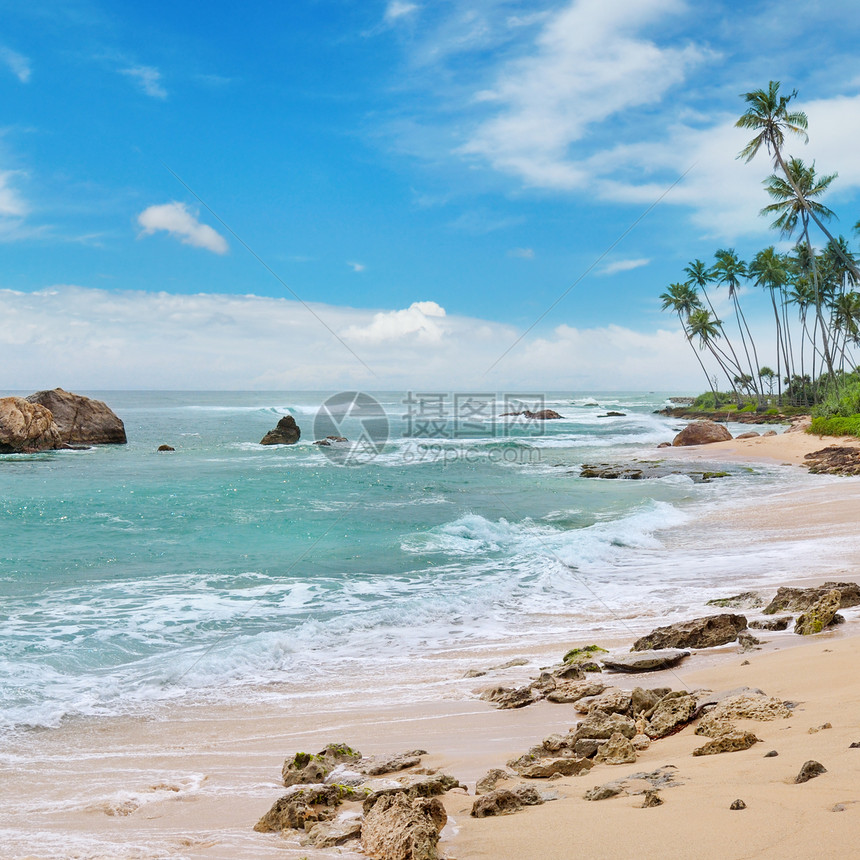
column 305, row 768
column 799, row 599
column 540, row 415
column 401, row 828
column 287, row 432
column 834, row 460
column 733, row 741
column 819, row 615
column 645, row 661
column 702, row 433
column 699, row 633
column 26, row 428
column 81, row 420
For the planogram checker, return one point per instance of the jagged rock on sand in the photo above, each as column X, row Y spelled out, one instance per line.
column 635, row 783
column 568, row 692
column 744, row 600
column 611, row 701
column 328, row 834
column 421, row 785
column 307, row 768
column 545, row 768
column 645, row 661
column 704, row 632
column 701, row 433
column 810, row 770
column 774, row 624
column 643, row 700
column 303, row 804
column 819, row 615
column 506, row 698
column 379, row 764
column 733, row 741
column 491, row 780
column 401, row 828
column 26, row 428
column 672, row 711
column 286, row 432
column 599, row 724
column 834, row 460
column 505, row 801
column 617, row 750
column 747, row 641
column 738, row 804
column 798, row 599
column 81, row 420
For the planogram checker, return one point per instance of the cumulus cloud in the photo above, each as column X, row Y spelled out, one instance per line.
column 623, row 266
column 175, row 219
column 97, row 339
column 148, row 79
column 418, row 320
column 17, row 63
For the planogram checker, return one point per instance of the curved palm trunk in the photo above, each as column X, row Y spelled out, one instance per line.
column 808, row 209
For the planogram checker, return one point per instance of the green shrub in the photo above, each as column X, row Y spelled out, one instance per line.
column 707, row 402
column 772, row 411
column 843, row 402
column 836, row 426
column 747, row 407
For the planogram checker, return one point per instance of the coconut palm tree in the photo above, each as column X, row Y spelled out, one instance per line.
column 768, row 114
column 794, row 202
column 684, row 300
column 768, row 271
column 728, row 271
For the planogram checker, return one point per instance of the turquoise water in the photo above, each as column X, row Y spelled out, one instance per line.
column 130, row 577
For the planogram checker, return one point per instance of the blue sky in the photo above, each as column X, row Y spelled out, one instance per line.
column 431, row 177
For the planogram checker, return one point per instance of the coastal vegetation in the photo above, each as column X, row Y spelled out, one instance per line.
column 813, row 291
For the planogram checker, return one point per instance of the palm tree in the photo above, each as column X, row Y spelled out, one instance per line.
column 846, row 319
column 768, row 271
column 795, row 200
column 728, row 270
column 768, row 114
column 708, row 329
column 684, row 300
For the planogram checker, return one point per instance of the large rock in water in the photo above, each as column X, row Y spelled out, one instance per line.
column 699, row 633
column 26, row 427
column 81, row 420
column 286, row 433
column 702, row 433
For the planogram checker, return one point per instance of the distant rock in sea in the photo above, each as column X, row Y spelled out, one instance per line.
column 81, row 420
column 540, row 415
column 286, row 433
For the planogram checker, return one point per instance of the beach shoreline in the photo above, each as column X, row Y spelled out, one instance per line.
column 192, row 779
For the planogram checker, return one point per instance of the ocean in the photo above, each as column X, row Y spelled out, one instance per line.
column 229, row 571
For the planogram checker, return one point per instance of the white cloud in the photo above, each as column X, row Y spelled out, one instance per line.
column 149, row 80
column 398, row 9
column 176, row 220
column 419, row 319
column 623, row 266
column 17, row 63
column 97, row 339
column 11, row 203
column 522, row 253
column 356, row 267
column 588, row 64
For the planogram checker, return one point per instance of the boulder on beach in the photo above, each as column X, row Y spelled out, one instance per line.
column 287, row 432
column 673, row 710
column 702, row 433
column 819, row 615
column 799, row 599
column 81, row 420
column 401, row 828
column 704, row 632
column 645, row 661
column 26, row 428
